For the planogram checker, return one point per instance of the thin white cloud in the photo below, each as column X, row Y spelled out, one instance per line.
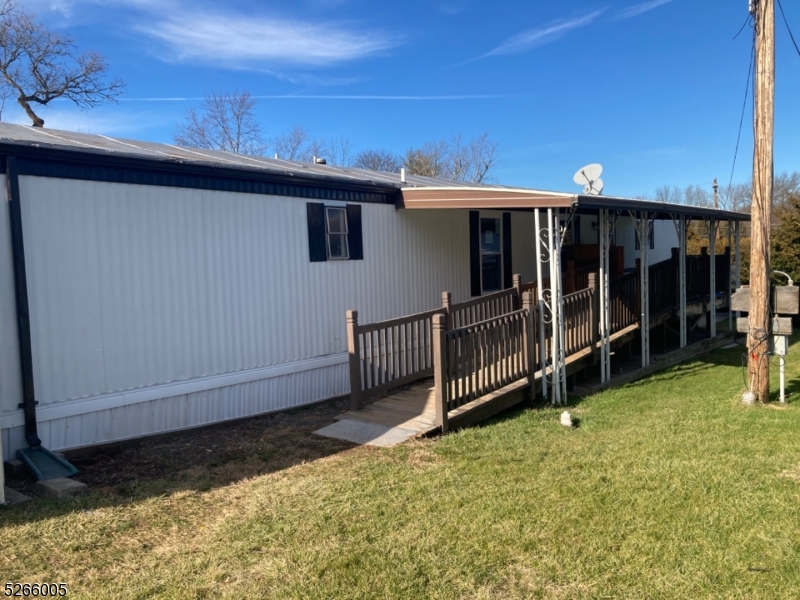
column 539, row 36
column 247, row 41
column 108, row 122
column 413, row 98
column 638, row 9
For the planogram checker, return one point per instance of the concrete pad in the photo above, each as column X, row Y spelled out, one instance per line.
column 370, row 434
column 14, row 467
column 14, row 497
column 60, row 487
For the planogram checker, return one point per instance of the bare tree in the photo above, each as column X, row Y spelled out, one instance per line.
column 225, row 122
column 429, row 160
column 473, row 160
column 378, row 160
column 454, row 159
column 294, row 144
column 336, row 150
column 38, row 65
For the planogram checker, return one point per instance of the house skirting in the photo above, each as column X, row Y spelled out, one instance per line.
column 180, row 405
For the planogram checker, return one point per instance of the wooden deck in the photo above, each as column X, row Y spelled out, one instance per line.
column 413, row 407
column 410, row 408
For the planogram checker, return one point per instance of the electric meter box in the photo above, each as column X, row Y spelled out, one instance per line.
column 780, row 345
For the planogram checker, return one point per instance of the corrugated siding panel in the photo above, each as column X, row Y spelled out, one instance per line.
column 10, row 380
column 185, row 411
column 133, row 286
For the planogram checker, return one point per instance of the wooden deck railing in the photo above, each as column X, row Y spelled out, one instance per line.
column 663, row 283
column 397, row 352
column 388, row 354
column 579, row 320
column 481, row 308
column 623, row 302
column 476, row 360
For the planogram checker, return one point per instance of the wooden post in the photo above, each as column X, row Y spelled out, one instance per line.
column 354, row 358
column 763, row 125
column 440, row 370
column 517, row 285
column 447, row 303
column 530, row 334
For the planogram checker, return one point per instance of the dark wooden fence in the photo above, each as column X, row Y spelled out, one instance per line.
column 388, row 354
column 480, row 309
column 494, row 340
column 579, row 319
column 663, row 283
column 483, row 357
column 623, row 302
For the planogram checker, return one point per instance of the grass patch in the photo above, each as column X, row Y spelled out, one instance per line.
column 670, row 488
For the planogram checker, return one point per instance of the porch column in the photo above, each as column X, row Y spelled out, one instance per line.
column 643, row 229
column 605, row 350
column 682, row 279
column 730, row 275
column 555, row 320
column 712, row 242
column 540, row 299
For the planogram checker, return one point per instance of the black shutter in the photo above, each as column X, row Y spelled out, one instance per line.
column 354, row 239
column 316, row 232
column 474, row 253
column 576, row 228
column 508, row 269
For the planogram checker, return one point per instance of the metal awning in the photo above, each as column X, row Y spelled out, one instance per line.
column 500, row 198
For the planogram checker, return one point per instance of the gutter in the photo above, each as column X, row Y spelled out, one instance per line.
column 21, row 294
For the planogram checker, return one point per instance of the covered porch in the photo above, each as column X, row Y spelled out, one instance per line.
column 460, row 363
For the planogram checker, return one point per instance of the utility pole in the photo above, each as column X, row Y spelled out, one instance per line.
column 763, row 12
column 716, row 194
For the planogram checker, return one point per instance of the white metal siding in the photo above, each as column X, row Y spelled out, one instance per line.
column 133, row 286
column 138, row 287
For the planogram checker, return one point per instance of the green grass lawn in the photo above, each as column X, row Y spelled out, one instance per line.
column 669, row 488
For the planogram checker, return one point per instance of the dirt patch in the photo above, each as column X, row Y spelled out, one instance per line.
column 215, row 455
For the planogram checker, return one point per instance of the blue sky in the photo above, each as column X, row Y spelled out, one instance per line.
column 652, row 90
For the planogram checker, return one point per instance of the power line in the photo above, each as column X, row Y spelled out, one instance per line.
column 748, row 20
column 789, row 29
column 744, row 107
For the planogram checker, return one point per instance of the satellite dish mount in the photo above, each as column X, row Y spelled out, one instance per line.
column 589, row 178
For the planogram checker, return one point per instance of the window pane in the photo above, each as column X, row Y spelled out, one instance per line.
column 491, row 267
column 337, row 220
column 490, row 235
column 337, row 245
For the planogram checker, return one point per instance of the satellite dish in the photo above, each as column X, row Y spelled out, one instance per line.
column 594, row 188
column 589, row 178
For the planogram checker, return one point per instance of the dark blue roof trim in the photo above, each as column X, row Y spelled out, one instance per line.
column 113, row 170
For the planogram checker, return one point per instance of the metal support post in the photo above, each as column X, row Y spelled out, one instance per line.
column 737, row 263
column 555, row 329
column 642, row 231
column 540, row 255
column 730, row 275
column 605, row 336
column 562, row 333
column 682, row 280
column 782, row 366
column 712, row 242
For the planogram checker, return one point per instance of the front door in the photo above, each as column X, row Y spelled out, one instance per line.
column 491, row 255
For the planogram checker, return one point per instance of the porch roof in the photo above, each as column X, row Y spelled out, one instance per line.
column 503, row 198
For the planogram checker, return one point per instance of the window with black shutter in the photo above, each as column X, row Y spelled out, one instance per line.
column 334, row 232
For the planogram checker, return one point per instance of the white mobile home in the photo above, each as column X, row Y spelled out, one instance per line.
column 146, row 288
